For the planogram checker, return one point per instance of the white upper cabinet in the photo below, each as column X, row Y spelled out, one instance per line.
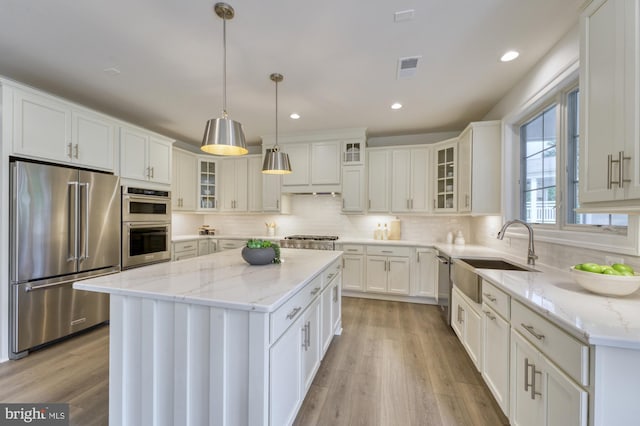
column 254, row 183
column 144, row 156
column 379, row 176
column 609, row 105
column 479, row 168
column 299, row 159
column 184, row 183
column 353, row 197
column 353, row 152
column 410, row 180
column 51, row 129
column 234, row 184
column 445, row 176
column 325, row 163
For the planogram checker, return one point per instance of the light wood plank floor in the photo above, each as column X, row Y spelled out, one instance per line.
column 395, row 364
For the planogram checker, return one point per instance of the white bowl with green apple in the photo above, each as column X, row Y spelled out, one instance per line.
column 618, row 279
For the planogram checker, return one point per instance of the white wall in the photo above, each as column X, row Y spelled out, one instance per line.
column 4, row 232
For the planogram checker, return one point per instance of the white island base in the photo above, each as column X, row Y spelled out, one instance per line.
column 213, row 341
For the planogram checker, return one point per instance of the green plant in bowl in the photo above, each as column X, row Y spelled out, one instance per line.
column 262, row 244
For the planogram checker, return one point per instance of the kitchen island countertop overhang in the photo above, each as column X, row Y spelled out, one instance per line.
column 222, row 280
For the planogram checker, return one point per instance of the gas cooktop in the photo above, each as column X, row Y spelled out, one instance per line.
column 312, row 237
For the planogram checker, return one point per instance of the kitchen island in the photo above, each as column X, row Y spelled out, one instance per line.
column 213, row 340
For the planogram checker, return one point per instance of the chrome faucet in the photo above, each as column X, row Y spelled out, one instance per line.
column 531, row 255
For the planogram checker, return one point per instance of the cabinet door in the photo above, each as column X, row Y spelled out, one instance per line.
column 353, row 189
column 353, row 272
column 208, row 197
column 203, row 247
column 325, row 163
column 566, row 401
column 473, row 336
column 458, row 314
column 160, row 160
column 427, row 273
column 227, row 184
column 134, row 163
column 42, row 127
column 464, row 171
column 241, row 184
column 326, row 330
column 445, row 157
column 93, row 141
column 378, row 179
column 299, row 159
column 352, row 152
column 527, row 407
column 420, row 180
column 285, row 376
column 398, row 275
column 376, row 274
column 311, row 345
column 184, row 184
column 495, row 356
column 254, row 184
column 271, row 193
column 401, row 181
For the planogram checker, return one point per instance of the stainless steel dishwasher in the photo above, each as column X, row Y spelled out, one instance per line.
column 444, row 286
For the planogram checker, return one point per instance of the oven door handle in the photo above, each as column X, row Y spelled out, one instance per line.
column 146, row 224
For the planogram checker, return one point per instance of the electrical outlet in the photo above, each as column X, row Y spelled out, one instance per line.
column 610, row 260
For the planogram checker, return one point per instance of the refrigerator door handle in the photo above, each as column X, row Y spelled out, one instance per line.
column 85, row 211
column 72, row 240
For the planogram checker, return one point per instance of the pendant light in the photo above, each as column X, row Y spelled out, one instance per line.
column 276, row 162
column 224, row 136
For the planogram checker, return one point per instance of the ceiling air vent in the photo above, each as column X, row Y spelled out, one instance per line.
column 407, row 67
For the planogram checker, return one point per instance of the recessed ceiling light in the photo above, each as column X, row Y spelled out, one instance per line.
column 396, row 105
column 509, row 56
column 295, row 116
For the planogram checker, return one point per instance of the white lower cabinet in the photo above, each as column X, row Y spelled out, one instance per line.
column 495, row 356
column 388, row 269
column 230, row 244
column 285, row 382
column 541, row 394
column 331, row 313
column 467, row 323
column 353, row 267
column 184, row 250
column 311, row 350
column 427, row 273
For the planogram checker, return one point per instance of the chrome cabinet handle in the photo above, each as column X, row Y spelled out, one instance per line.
column 609, row 165
column 526, row 374
column 490, row 315
column 293, row 313
column 308, row 334
column 277, row 204
column 335, row 294
column 69, row 148
column 387, row 251
column 315, row 291
column 330, row 276
column 532, row 330
column 76, row 148
column 489, row 296
column 153, row 172
column 466, row 200
column 304, row 337
column 534, row 392
column 621, row 178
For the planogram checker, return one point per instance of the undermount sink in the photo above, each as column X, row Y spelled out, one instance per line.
column 494, row 264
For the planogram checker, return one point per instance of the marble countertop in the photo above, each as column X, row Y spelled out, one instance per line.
column 221, row 279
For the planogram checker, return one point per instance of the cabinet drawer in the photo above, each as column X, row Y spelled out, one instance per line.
column 185, row 246
column 567, row 352
column 389, row 251
column 230, row 244
column 285, row 315
column 188, row 254
column 352, row 249
column 496, row 298
column 330, row 273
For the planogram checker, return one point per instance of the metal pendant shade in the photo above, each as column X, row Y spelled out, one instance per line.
column 224, row 136
column 276, row 162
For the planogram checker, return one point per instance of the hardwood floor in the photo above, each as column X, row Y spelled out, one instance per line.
column 395, row 364
column 75, row 371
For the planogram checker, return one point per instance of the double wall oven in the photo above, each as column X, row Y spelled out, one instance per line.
column 146, row 226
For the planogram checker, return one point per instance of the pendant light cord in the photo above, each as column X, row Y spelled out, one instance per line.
column 224, row 66
column 276, row 147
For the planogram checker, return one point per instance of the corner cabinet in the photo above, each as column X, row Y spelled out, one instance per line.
column 184, row 183
column 145, row 156
column 609, row 106
column 479, row 168
column 49, row 128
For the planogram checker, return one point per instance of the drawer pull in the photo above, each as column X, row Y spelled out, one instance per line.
column 489, row 315
column 387, row 251
column 330, row 276
column 293, row 313
column 315, row 291
column 187, row 247
column 490, row 297
column 352, row 249
column 532, row 330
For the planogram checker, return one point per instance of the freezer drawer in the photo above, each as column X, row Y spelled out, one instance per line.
column 47, row 313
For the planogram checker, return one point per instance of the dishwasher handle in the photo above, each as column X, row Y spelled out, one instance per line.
column 444, row 260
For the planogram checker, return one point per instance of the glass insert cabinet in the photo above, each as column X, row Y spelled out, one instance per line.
column 446, row 177
column 207, row 194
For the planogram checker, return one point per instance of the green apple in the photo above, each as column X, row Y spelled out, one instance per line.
column 592, row 267
column 610, row 271
column 622, row 267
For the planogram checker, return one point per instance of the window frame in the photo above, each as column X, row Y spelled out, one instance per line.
column 593, row 237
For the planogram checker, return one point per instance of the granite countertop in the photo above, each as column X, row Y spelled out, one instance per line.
column 221, row 279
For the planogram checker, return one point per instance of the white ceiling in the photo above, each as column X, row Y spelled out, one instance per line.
column 338, row 59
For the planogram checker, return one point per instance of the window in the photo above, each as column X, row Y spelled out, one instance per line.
column 546, row 139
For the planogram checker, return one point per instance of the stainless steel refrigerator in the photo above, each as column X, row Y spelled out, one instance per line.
column 65, row 226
